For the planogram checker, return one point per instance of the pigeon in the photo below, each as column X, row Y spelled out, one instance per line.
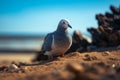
column 57, row 42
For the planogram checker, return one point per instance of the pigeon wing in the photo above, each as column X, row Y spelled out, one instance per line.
column 47, row 42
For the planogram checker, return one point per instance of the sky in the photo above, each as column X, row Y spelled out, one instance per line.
column 42, row 16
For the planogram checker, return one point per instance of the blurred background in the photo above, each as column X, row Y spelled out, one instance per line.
column 24, row 23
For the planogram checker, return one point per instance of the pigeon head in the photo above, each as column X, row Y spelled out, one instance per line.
column 63, row 25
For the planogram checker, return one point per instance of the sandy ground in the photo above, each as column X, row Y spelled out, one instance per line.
column 74, row 66
column 25, row 57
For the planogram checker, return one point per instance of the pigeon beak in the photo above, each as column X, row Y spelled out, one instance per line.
column 69, row 26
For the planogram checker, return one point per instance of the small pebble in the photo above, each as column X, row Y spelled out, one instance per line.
column 87, row 57
column 106, row 53
column 113, row 66
column 12, row 67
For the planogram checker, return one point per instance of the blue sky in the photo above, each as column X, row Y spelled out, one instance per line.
column 41, row 16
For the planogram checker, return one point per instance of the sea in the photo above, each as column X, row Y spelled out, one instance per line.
column 21, row 43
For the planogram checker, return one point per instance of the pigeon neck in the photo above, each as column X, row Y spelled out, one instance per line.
column 61, row 30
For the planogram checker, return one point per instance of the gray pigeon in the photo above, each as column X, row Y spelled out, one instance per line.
column 57, row 42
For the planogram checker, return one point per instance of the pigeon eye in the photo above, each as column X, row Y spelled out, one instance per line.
column 63, row 22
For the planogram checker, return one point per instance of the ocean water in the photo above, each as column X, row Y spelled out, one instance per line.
column 21, row 44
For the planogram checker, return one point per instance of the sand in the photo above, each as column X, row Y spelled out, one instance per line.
column 74, row 66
